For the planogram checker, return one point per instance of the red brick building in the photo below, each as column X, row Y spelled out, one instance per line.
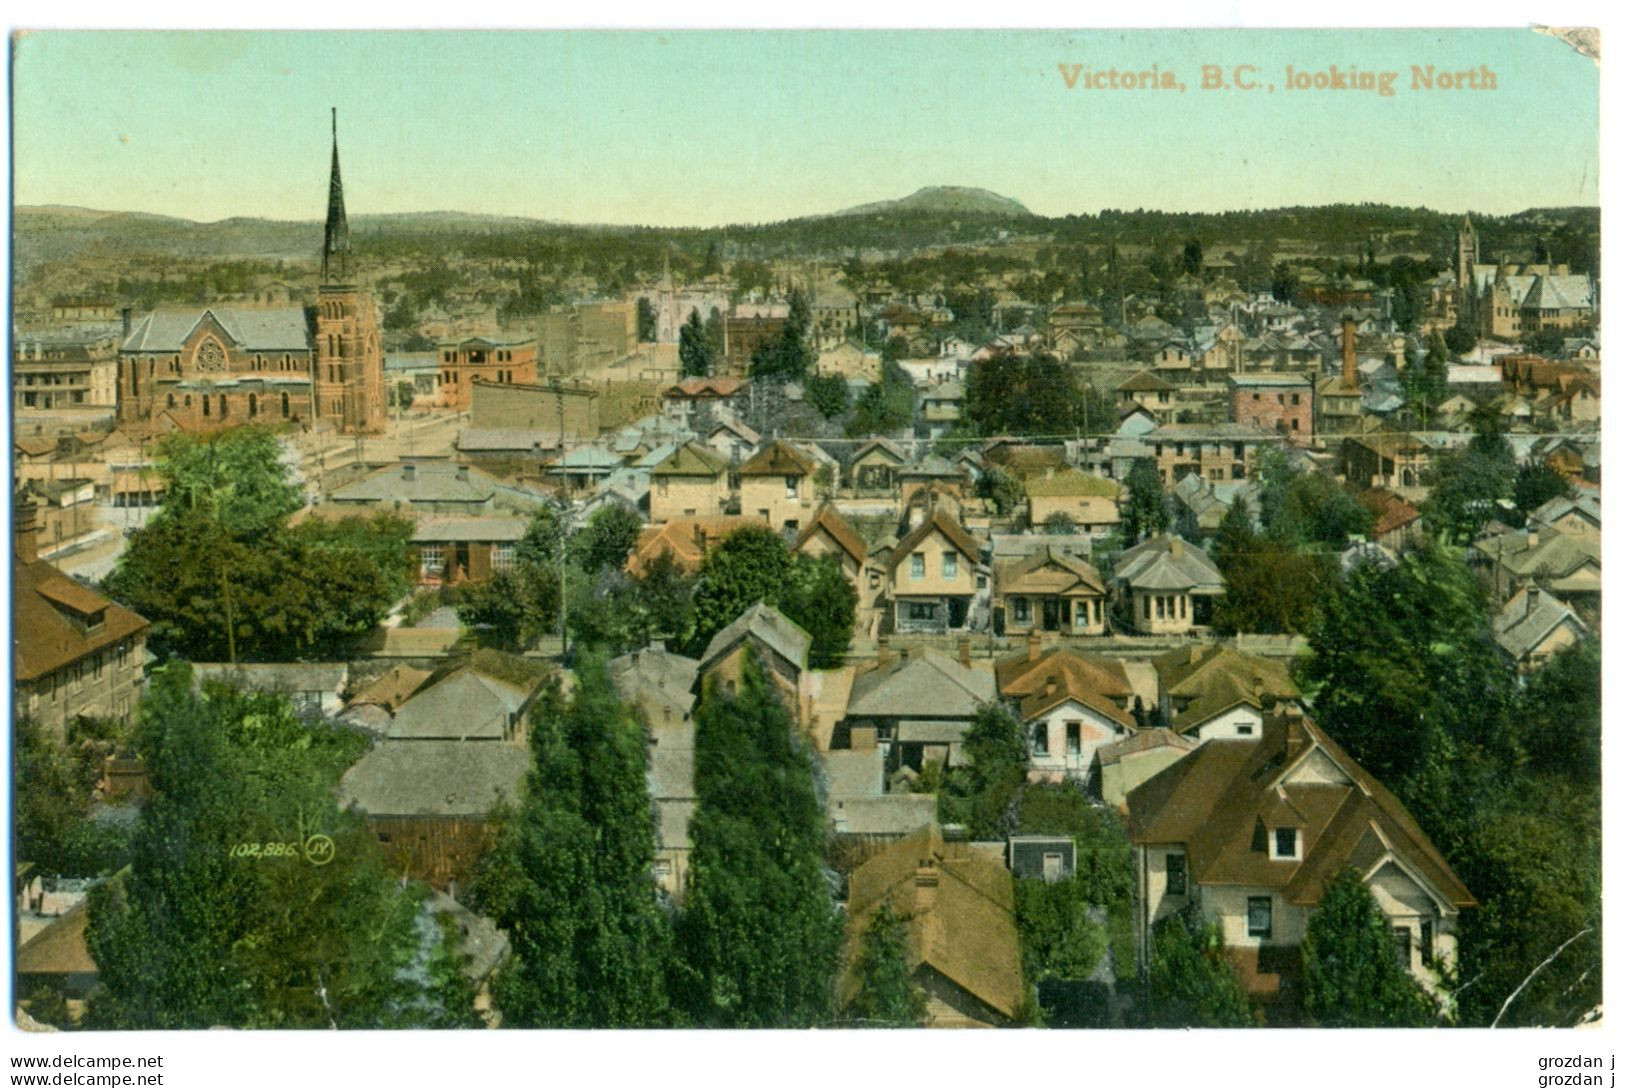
column 1282, row 404
column 482, row 359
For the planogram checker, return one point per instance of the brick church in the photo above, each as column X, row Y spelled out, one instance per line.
column 196, row 369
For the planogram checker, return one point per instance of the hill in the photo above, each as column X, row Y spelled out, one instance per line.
column 938, row 199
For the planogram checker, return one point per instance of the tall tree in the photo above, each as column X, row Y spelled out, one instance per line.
column 759, row 932
column 886, row 996
column 695, row 353
column 647, row 321
column 1352, row 975
column 203, row 931
column 1145, row 506
column 569, row 874
column 1190, row 983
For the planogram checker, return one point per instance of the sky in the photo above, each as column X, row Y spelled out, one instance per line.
column 704, row 128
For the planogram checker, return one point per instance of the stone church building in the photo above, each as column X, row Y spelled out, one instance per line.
column 196, row 369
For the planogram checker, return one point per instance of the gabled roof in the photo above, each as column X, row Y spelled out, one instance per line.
column 270, row 328
column 920, row 683
column 965, row 930
column 938, row 522
column 688, row 539
column 1199, row 672
column 435, row 777
column 657, row 676
column 1168, row 562
column 420, row 482
column 1391, row 510
column 1054, row 677
column 1146, row 381
column 1545, row 554
column 767, row 625
column 1213, row 801
column 691, row 459
column 1144, row 740
column 779, row 459
column 1528, row 617
column 1587, row 506
column 50, row 613
column 886, row 446
column 930, row 467
column 692, row 388
column 1047, row 572
column 829, row 520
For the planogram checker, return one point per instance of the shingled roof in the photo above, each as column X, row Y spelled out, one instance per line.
column 1041, row 684
column 56, row 621
column 942, row 523
column 271, row 328
column 920, row 683
column 779, row 459
column 768, row 626
column 1047, row 572
column 1528, row 617
column 829, row 520
column 435, row 777
column 1168, row 562
column 1213, row 800
column 691, row 459
column 959, row 910
column 1204, row 681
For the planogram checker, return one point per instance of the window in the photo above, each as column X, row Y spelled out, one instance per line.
column 1295, row 398
column 1022, row 610
column 916, row 566
column 205, row 406
column 431, row 558
column 1427, row 940
column 1176, row 875
column 284, row 406
column 1284, row 843
column 950, row 565
column 1074, row 738
column 1244, row 729
column 1041, row 739
column 1402, row 946
column 502, row 558
column 790, row 487
column 1258, row 916
column 921, row 611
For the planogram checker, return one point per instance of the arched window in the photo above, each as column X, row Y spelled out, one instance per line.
column 284, row 406
column 205, row 406
column 169, row 401
column 188, row 401
column 222, row 406
column 253, row 406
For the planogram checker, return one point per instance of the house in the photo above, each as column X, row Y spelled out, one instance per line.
column 1566, row 565
column 1166, row 585
column 659, row 685
column 1069, row 705
column 1579, row 516
column 1151, row 392
column 1215, row 451
column 449, row 752
column 829, row 534
column 1087, row 500
column 917, row 705
column 692, row 482
column 452, row 550
column 1251, row 830
column 58, row 957
column 375, row 704
column 1042, row 857
column 688, row 540
column 942, row 405
column 931, row 472
column 776, row 485
column 1396, row 523
column 74, row 651
column 875, row 467
column 1392, row 460
column 1048, row 590
column 1123, row 765
column 781, row 648
column 311, row 686
column 958, row 908
column 683, row 398
column 1213, row 692
column 428, row 802
column 583, row 468
column 732, row 439
column 1206, row 502
column 932, row 580
column 1534, row 625
column 857, row 803
column 421, row 486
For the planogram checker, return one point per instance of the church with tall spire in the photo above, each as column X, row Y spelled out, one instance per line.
column 349, row 361
column 201, row 368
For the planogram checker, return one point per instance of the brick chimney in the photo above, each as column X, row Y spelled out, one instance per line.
column 1297, row 737
column 1351, row 372
column 25, row 529
column 925, row 886
column 964, row 652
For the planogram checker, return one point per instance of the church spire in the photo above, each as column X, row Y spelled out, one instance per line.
column 336, row 239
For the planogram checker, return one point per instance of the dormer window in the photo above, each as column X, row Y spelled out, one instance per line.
column 1284, row 844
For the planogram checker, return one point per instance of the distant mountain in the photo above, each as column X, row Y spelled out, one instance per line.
column 954, row 199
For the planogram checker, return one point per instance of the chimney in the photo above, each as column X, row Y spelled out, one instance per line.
column 1351, row 374
column 925, row 886
column 1176, row 548
column 1034, row 646
column 1049, row 685
column 1534, row 538
column 1258, row 684
column 25, row 528
column 462, row 473
column 1297, row 737
column 964, row 652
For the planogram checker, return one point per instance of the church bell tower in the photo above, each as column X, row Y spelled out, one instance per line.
column 349, row 380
